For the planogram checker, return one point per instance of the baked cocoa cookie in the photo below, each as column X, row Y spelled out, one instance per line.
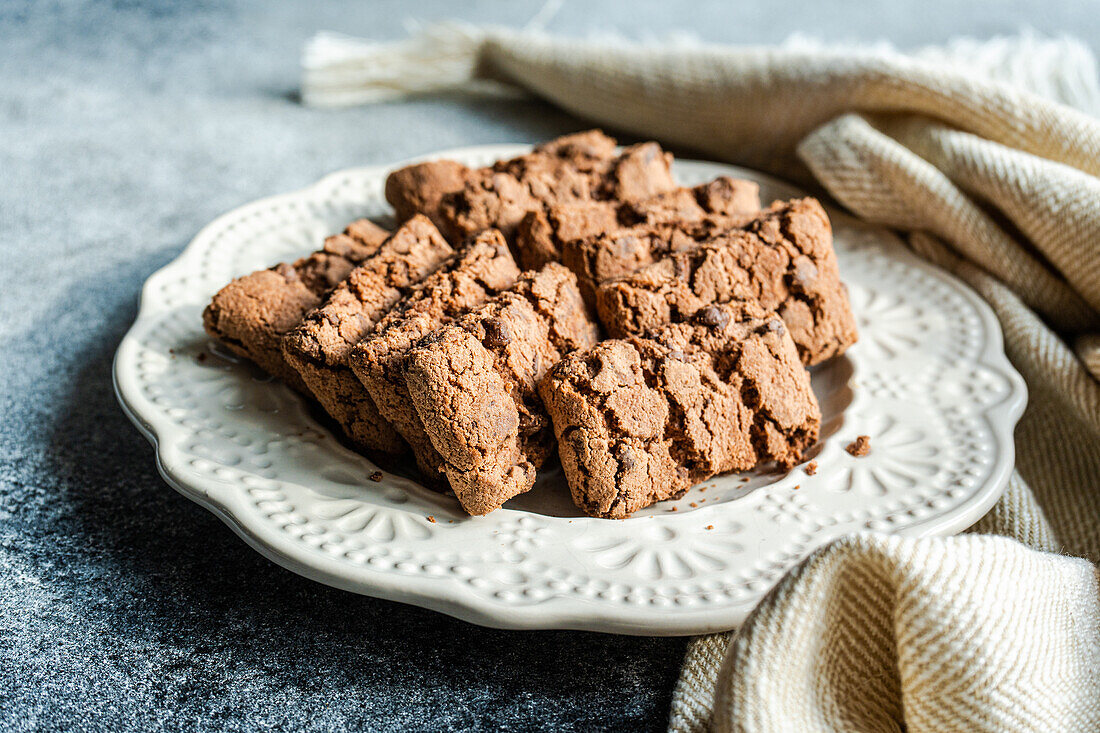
column 724, row 196
column 318, row 347
column 499, row 199
column 540, row 233
column 640, row 172
column 473, row 384
column 590, row 152
column 576, row 167
column 728, row 196
column 482, row 269
column 501, row 196
column 640, row 420
column 599, row 240
column 250, row 315
column 622, row 251
column 543, row 235
column 419, row 188
column 587, row 151
column 783, row 259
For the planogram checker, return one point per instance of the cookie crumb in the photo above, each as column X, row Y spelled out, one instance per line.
column 810, row 468
column 376, row 476
column 693, row 505
column 675, row 508
column 745, row 479
column 431, row 519
column 860, row 447
column 797, row 487
column 710, row 526
column 202, row 356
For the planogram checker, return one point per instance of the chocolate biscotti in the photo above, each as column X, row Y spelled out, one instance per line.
column 783, row 259
column 501, row 197
column 419, row 188
column 542, row 235
column 640, row 420
column 579, row 167
column 473, row 384
column 250, row 315
column 482, row 269
column 318, row 347
column 601, row 243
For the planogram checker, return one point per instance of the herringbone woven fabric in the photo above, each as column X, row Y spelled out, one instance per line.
column 978, row 152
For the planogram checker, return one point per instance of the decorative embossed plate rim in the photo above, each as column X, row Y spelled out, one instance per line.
column 928, row 382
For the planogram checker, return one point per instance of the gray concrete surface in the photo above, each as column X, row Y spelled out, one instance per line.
column 126, row 126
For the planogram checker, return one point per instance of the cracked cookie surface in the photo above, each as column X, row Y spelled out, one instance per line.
column 422, row 187
column 644, row 231
column 783, row 259
column 640, row 420
column 581, row 167
column 483, row 268
column 318, row 347
column 474, row 385
column 250, row 315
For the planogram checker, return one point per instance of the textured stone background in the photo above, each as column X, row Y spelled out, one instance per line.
column 124, row 128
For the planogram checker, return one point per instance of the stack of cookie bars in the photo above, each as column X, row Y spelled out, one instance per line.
column 573, row 298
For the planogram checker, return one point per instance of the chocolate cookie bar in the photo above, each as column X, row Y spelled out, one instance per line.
column 473, row 384
column 599, row 239
column 318, row 347
column 783, row 259
column 540, row 233
column 250, row 315
column 640, row 420
column 420, row 188
column 482, row 269
column 589, row 152
column 500, row 197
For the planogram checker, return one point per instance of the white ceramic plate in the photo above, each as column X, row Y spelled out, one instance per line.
column 928, row 382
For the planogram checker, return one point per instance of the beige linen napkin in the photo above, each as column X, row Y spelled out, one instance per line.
column 987, row 155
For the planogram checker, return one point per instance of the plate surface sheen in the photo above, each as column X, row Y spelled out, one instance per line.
column 928, row 382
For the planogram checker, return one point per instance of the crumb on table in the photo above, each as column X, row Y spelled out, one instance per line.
column 431, row 519
column 810, row 468
column 860, row 447
column 376, row 476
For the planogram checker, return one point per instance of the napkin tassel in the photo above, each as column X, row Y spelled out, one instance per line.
column 340, row 71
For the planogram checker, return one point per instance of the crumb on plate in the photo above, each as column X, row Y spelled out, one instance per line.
column 860, row 447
